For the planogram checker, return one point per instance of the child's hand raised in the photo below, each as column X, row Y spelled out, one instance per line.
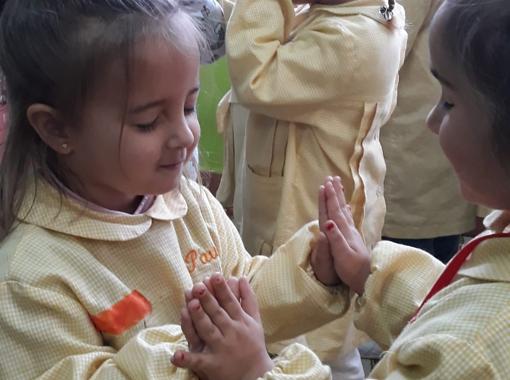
column 195, row 343
column 227, row 333
column 322, row 260
column 350, row 255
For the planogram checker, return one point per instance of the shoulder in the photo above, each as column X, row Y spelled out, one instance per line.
column 471, row 315
column 198, row 197
column 442, row 356
column 31, row 254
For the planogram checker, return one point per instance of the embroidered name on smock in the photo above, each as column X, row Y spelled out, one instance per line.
column 193, row 257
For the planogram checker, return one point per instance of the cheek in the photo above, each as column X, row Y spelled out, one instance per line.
column 450, row 143
column 195, row 131
column 138, row 150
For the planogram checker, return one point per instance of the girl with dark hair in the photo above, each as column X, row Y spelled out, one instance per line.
column 435, row 321
column 100, row 233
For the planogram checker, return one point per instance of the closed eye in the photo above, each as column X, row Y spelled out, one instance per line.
column 147, row 127
column 190, row 110
column 448, row 106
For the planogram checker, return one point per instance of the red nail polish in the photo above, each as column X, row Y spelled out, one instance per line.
column 330, row 226
column 201, row 292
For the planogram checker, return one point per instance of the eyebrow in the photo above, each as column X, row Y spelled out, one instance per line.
column 440, row 78
column 156, row 103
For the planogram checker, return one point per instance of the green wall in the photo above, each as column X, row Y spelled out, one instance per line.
column 214, row 83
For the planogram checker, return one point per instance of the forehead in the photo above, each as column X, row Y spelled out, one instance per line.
column 441, row 58
column 156, row 68
column 444, row 61
column 155, row 60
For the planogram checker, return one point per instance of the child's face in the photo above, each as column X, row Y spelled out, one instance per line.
column 119, row 155
column 463, row 125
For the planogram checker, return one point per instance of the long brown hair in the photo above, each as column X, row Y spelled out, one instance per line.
column 52, row 52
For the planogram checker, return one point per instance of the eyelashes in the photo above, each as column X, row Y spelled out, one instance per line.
column 148, row 127
column 447, row 105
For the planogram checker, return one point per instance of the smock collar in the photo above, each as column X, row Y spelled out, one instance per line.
column 46, row 207
column 490, row 260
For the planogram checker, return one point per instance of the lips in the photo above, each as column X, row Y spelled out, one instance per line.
column 171, row 165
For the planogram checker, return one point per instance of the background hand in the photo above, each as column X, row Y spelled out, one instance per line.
column 350, row 255
column 321, row 259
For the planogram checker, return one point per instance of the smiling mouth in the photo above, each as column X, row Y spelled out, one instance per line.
column 171, row 166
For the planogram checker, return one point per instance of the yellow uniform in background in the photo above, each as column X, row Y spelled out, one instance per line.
column 317, row 87
column 422, row 195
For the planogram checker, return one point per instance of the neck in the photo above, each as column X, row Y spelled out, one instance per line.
column 109, row 198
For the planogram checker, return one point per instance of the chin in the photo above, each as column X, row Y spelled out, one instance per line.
column 165, row 187
column 493, row 201
column 469, row 195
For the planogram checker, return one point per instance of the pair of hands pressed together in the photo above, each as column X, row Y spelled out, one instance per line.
column 221, row 319
column 222, row 325
column 340, row 254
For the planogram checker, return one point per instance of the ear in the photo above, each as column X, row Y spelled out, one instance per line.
column 50, row 127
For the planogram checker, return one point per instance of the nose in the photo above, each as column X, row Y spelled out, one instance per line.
column 181, row 134
column 434, row 119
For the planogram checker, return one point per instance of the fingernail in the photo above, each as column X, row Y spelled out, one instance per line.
column 330, row 225
column 201, row 292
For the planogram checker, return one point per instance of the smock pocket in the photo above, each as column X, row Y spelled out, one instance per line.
column 261, row 205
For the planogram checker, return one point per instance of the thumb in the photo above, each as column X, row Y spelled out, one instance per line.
column 248, row 299
column 320, row 253
column 338, row 244
column 193, row 361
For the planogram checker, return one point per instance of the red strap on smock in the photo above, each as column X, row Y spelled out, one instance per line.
column 453, row 267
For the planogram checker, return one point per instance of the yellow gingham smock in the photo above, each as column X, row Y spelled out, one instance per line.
column 318, row 85
column 89, row 294
column 462, row 333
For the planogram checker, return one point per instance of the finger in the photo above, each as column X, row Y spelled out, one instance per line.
column 194, row 342
column 336, row 213
column 207, row 283
column 344, row 206
column 249, row 300
column 339, row 188
column 195, row 362
column 204, row 327
column 233, row 284
column 323, row 212
column 187, row 296
column 332, row 204
column 179, row 359
column 226, row 297
column 211, row 307
column 321, row 260
column 339, row 245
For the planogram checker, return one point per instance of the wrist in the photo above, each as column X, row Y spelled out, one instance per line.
column 262, row 365
column 361, row 278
